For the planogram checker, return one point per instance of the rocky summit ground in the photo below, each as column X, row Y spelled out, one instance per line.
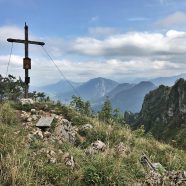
column 79, row 150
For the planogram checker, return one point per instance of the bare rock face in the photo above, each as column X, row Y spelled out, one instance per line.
column 69, row 160
column 65, row 131
column 165, row 107
column 95, row 148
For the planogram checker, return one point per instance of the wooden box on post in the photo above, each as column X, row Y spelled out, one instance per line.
column 26, row 63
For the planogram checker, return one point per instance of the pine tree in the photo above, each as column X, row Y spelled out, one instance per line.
column 106, row 111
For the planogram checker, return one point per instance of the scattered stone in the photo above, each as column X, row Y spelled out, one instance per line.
column 90, row 151
column 86, row 126
column 66, row 123
column 56, row 117
column 41, row 112
column 175, row 177
column 95, row 147
column 33, row 111
column 17, row 132
column 52, row 160
column 24, row 115
column 53, row 111
column 38, row 133
column 99, row 145
column 51, row 155
column 69, row 160
column 46, row 134
column 60, row 151
column 30, row 137
column 34, row 117
column 27, row 101
column 122, row 149
column 45, row 107
column 153, row 178
column 29, row 119
column 157, row 175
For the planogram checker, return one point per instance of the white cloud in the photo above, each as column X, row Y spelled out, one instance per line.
column 117, row 56
column 175, row 19
column 44, row 72
column 11, row 32
column 132, row 44
column 175, row 34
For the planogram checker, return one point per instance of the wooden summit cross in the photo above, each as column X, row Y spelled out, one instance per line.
column 26, row 60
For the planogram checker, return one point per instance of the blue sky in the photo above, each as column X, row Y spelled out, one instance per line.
column 117, row 39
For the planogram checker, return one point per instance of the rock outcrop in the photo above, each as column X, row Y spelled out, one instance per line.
column 97, row 146
column 65, row 131
column 164, row 111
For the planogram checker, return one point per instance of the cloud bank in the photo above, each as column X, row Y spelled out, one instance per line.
column 116, row 56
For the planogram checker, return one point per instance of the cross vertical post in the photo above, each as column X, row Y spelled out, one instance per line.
column 26, row 60
column 26, row 56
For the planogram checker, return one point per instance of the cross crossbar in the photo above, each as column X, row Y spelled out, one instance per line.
column 23, row 41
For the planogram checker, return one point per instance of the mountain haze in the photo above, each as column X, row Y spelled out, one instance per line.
column 53, row 90
column 92, row 89
column 169, row 81
column 119, row 88
column 131, row 99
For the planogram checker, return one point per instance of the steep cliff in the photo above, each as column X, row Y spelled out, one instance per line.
column 164, row 113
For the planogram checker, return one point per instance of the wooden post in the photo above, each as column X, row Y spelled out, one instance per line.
column 26, row 56
column 26, row 60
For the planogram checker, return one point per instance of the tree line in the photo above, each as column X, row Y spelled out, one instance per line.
column 13, row 89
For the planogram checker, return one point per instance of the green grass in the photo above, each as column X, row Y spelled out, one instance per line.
column 18, row 165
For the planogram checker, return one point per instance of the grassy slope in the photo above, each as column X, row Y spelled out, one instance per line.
column 19, row 166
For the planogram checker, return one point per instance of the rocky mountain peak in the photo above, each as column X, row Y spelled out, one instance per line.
column 164, row 109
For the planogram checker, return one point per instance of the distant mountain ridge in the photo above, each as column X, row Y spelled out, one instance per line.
column 119, row 88
column 125, row 96
column 60, row 86
column 168, row 81
column 131, row 99
column 92, row 89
